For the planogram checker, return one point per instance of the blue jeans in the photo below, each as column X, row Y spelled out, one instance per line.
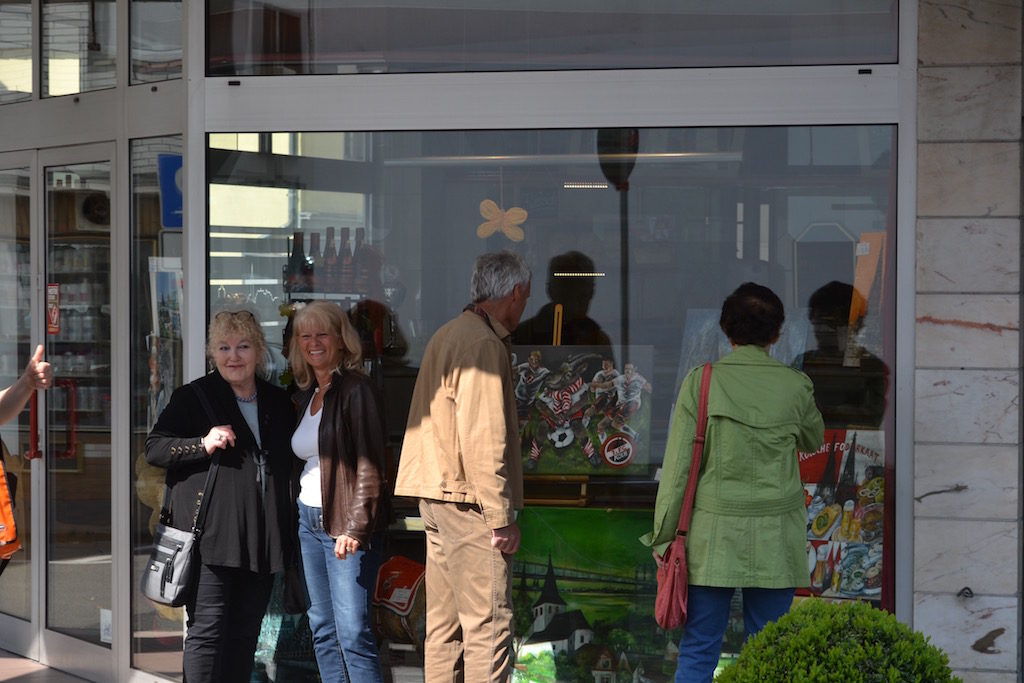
column 707, row 615
column 339, row 609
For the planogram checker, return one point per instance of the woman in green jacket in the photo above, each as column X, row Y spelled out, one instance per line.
column 748, row 529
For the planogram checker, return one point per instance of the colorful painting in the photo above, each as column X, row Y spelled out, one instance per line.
column 845, row 485
column 584, row 599
column 581, row 411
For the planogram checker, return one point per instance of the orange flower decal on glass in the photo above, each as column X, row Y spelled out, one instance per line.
column 499, row 219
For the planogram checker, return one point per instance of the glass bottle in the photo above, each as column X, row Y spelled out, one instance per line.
column 330, row 259
column 346, row 278
column 293, row 272
column 315, row 263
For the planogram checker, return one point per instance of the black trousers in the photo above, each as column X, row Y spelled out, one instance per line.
column 224, row 618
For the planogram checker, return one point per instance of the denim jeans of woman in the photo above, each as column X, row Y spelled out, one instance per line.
column 707, row 616
column 339, row 597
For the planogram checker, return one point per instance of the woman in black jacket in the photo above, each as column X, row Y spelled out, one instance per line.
column 250, row 519
column 343, row 505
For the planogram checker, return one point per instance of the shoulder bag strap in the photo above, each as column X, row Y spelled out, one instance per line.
column 698, row 451
column 211, row 474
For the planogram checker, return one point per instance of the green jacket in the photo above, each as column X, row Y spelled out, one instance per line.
column 749, row 522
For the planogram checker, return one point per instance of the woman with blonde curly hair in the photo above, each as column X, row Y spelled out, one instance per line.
column 250, row 514
column 343, row 504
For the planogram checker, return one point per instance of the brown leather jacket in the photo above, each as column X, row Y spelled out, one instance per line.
column 352, row 457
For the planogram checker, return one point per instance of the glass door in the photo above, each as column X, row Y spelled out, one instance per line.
column 77, row 599
column 19, row 439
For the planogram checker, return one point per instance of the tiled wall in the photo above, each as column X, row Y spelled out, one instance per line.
column 967, row 455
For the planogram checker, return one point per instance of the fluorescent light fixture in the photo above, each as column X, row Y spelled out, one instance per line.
column 584, row 185
column 242, row 235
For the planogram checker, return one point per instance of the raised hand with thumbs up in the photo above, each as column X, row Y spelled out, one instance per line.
column 38, row 374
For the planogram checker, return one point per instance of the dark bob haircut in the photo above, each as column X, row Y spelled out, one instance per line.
column 752, row 315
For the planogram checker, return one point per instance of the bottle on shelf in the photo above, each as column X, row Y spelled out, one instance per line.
column 359, row 261
column 293, row 273
column 315, row 264
column 346, row 276
column 331, row 265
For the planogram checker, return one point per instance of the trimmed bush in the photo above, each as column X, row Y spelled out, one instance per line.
column 823, row 642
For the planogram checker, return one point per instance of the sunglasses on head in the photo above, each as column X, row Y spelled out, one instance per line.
column 241, row 315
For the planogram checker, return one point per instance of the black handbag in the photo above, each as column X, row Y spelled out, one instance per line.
column 171, row 570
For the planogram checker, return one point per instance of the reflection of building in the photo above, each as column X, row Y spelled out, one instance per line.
column 554, row 629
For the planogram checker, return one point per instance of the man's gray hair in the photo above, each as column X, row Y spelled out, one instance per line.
column 496, row 274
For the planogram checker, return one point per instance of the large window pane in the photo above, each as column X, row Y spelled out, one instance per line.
column 78, row 459
column 156, row 40
column 157, row 289
column 15, row 51
column 15, row 320
column 79, row 46
column 636, row 237
column 340, row 36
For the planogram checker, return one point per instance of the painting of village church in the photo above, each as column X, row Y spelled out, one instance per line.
column 584, row 599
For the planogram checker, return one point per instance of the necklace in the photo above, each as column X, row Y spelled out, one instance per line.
column 325, row 388
column 246, row 399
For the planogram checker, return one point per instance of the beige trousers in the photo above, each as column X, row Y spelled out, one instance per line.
column 469, row 598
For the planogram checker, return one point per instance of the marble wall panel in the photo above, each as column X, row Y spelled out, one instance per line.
column 968, row 179
column 950, row 554
column 976, row 633
column 969, row 31
column 972, row 331
column 966, row 481
column 966, row 406
column 969, row 103
column 968, row 255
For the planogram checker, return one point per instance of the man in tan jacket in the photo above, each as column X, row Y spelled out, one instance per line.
column 461, row 458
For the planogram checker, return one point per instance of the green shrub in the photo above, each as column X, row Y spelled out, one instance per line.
column 822, row 642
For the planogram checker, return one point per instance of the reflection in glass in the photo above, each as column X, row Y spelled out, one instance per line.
column 15, row 326
column 15, row 51
column 392, row 236
column 79, row 46
column 157, row 289
column 156, row 41
column 78, row 229
column 279, row 38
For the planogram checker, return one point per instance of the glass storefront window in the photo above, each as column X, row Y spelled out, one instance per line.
column 15, row 321
column 78, row 437
column 635, row 236
column 156, row 41
column 338, row 36
column 15, row 51
column 157, row 290
column 79, row 46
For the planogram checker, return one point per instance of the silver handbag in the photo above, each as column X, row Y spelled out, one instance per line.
column 171, row 569
column 167, row 578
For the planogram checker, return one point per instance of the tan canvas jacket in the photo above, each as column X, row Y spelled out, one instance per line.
column 462, row 440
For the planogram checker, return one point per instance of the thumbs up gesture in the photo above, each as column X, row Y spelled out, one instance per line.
column 38, row 372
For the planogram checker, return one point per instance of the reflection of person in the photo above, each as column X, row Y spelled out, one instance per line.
column 748, row 526
column 343, row 508
column 571, row 284
column 38, row 374
column 250, row 517
column 460, row 458
column 849, row 382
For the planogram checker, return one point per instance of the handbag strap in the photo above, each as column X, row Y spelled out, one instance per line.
column 698, row 452
column 199, row 521
column 199, row 518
